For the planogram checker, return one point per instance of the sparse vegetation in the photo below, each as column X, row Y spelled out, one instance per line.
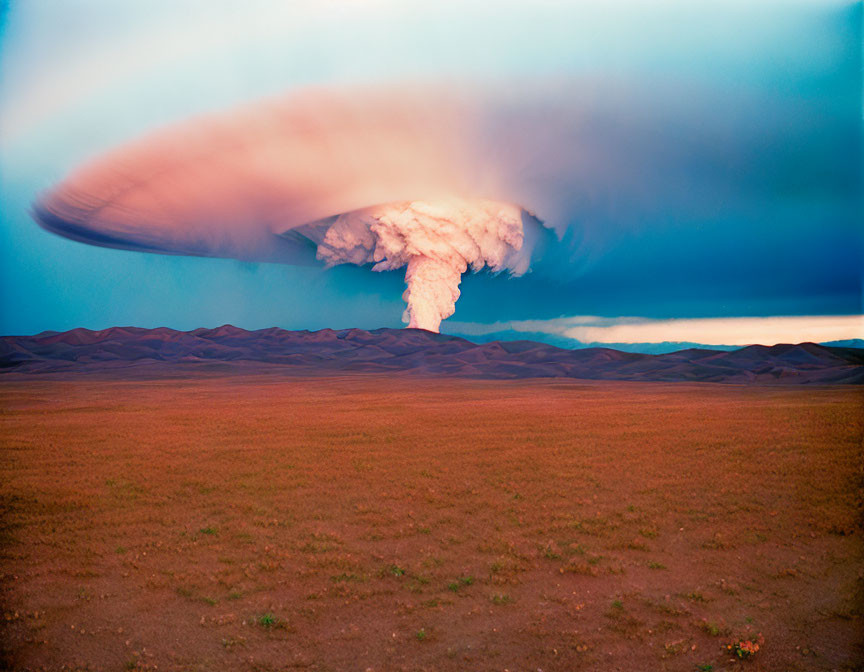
column 321, row 517
column 746, row 647
column 231, row 643
column 345, row 576
column 460, row 583
column 696, row 596
column 712, row 628
column 267, row 620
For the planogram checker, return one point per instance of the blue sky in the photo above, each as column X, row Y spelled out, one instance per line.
column 727, row 143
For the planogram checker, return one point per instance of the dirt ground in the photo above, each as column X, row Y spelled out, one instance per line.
column 260, row 523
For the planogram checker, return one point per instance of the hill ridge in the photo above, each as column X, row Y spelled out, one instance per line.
column 415, row 351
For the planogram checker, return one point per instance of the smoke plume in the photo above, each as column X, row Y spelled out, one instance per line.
column 437, row 242
column 389, row 178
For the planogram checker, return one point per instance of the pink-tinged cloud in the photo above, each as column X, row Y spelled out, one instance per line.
column 408, row 177
column 229, row 185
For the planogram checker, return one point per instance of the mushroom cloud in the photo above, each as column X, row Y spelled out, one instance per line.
column 395, row 179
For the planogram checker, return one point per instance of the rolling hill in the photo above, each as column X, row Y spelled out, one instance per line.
column 138, row 351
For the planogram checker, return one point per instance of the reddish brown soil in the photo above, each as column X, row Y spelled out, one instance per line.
column 250, row 523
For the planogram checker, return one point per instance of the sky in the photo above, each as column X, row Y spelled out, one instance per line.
column 706, row 160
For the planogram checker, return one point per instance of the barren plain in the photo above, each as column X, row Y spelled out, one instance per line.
column 262, row 523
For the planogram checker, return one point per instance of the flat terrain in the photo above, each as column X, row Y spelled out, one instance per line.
column 263, row 523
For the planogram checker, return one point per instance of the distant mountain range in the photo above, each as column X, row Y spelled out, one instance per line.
column 572, row 344
column 136, row 351
column 647, row 348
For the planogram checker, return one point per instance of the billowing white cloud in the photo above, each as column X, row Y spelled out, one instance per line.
column 437, row 242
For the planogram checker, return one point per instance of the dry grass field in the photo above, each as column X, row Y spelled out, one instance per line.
column 259, row 523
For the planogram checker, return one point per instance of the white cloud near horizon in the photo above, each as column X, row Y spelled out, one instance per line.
column 708, row 331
